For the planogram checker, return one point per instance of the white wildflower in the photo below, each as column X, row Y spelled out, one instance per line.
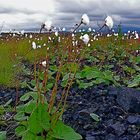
column 38, row 46
column 109, row 22
column 89, row 44
column 63, row 29
column 48, row 25
column 89, row 29
column 85, row 19
column 30, row 36
column 85, row 38
column 34, row 45
column 56, row 33
column 43, row 63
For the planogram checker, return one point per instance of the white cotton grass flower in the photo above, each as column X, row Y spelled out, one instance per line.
column 59, row 39
column 26, row 35
column 14, row 34
column 85, row 38
column 48, row 25
column 85, row 19
column 109, row 22
column 83, row 30
column 49, row 38
column 79, row 31
column 81, row 37
column 34, row 46
column 63, row 29
column 136, row 35
column 116, row 34
column 109, row 35
column 128, row 32
column 89, row 44
column 38, row 46
column 89, row 29
column 56, row 33
column 44, row 63
column 30, row 36
column 73, row 35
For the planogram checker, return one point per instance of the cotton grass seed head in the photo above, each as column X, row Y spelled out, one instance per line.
column 85, row 19
column 85, row 38
column 109, row 22
column 48, row 25
column 34, row 46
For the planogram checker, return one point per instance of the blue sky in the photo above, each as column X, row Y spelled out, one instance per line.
column 27, row 14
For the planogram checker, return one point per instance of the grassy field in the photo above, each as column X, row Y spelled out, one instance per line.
column 105, row 53
column 41, row 71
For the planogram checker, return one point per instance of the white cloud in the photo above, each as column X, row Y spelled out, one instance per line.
column 31, row 13
column 16, row 13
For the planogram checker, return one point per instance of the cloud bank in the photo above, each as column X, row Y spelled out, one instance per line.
column 25, row 14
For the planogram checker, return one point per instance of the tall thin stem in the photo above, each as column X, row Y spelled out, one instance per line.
column 102, row 27
column 77, row 27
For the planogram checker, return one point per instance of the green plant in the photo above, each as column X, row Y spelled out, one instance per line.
column 90, row 76
column 35, row 122
column 3, row 135
column 95, row 117
column 135, row 82
column 39, row 117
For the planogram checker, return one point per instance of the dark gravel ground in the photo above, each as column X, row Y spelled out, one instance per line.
column 117, row 107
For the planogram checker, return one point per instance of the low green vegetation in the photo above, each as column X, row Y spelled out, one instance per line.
column 105, row 54
column 46, row 64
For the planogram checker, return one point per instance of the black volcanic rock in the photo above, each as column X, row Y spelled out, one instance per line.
column 129, row 99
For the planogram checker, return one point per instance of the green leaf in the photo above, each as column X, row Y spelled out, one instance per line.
column 30, row 106
column 73, row 67
column 101, row 80
column 20, row 131
column 20, row 108
column 135, row 82
column 31, row 136
column 26, row 96
column 78, row 75
column 8, row 103
column 53, row 68
column 39, row 119
column 20, row 116
column 93, row 74
column 33, row 83
column 67, row 76
column 49, row 85
column 137, row 60
column 3, row 135
column 23, row 84
column 62, row 131
column 85, row 85
column 51, row 138
column 95, row 117
column 2, row 110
